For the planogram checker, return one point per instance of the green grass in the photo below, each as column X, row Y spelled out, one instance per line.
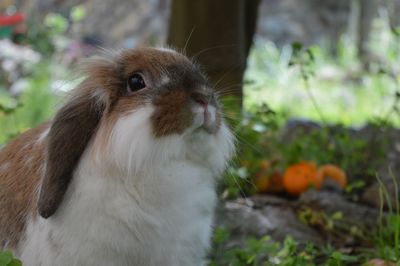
column 343, row 92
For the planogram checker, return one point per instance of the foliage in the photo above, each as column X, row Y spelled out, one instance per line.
column 295, row 71
column 7, row 259
column 33, row 107
column 36, row 104
column 308, row 82
column 261, row 136
column 388, row 233
column 266, row 252
column 44, row 35
column 293, row 81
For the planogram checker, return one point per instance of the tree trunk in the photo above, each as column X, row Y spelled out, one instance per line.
column 218, row 34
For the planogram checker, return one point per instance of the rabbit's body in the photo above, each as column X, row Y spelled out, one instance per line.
column 133, row 198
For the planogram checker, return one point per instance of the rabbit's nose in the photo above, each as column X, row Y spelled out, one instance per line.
column 200, row 98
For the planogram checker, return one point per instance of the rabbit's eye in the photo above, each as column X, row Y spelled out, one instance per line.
column 136, row 82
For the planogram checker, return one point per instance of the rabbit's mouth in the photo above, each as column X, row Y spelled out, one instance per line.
column 205, row 117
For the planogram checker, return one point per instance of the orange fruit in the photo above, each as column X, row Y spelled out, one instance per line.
column 334, row 173
column 300, row 176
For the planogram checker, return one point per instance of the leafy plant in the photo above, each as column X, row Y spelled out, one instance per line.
column 33, row 107
column 7, row 259
column 265, row 252
column 260, row 136
column 388, row 233
column 294, row 79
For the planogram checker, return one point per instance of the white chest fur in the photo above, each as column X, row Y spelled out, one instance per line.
column 102, row 222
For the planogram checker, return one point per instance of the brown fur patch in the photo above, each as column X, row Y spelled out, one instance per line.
column 172, row 114
column 22, row 162
column 151, row 60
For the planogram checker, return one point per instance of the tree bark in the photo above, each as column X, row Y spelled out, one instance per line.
column 218, row 35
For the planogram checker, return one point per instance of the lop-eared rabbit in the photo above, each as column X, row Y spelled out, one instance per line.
column 125, row 172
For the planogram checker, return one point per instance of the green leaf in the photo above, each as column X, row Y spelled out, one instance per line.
column 296, row 46
column 78, row 13
column 337, row 216
column 56, row 22
column 221, row 235
column 5, row 258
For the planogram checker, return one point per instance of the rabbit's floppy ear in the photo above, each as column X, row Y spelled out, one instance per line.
column 70, row 132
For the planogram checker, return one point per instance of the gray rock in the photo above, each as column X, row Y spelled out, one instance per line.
column 388, row 170
column 276, row 217
column 250, row 218
column 353, row 213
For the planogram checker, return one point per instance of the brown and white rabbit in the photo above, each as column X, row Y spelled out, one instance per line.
column 125, row 172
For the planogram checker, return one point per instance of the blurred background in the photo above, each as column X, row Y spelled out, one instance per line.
column 311, row 89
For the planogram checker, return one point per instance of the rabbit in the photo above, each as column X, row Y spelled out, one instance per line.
column 126, row 171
